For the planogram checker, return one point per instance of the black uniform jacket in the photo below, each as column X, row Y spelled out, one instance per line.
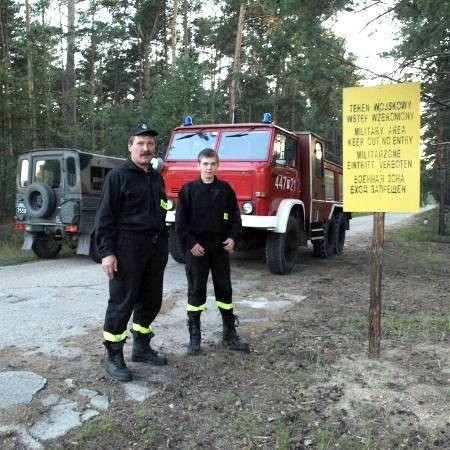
column 131, row 200
column 207, row 213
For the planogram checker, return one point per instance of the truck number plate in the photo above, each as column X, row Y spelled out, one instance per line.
column 283, row 182
column 20, row 208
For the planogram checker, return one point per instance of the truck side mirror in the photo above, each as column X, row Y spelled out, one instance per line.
column 318, row 153
column 157, row 163
column 289, row 150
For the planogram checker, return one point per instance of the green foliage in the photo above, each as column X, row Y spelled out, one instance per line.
column 291, row 65
column 423, row 51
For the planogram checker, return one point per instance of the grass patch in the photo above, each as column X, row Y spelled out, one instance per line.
column 352, row 327
column 419, row 232
column 423, row 326
column 11, row 241
column 102, row 430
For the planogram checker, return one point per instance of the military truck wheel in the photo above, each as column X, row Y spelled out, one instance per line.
column 46, row 248
column 40, row 200
column 340, row 233
column 282, row 248
column 175, row 248
column 93, row 250
column 324, row 248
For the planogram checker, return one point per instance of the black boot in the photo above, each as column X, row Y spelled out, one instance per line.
column 142, row 352
column 230, row 337
column 114, row 362
column 194, row 333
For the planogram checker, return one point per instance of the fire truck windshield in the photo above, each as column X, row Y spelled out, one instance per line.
column 245, row 145
column 188, row 145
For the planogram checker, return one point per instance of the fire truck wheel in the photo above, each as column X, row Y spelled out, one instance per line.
column 40, row 200
column 324, row 248
column 175, row 248
column 46, row 248
column 340, row 233
column 282, row 248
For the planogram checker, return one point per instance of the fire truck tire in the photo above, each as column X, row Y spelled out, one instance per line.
column 324, row 248
column 46, row 248
column 282, row 248
column 40, row 200
column 175, row 248
column 93, row 250
column 340, row 233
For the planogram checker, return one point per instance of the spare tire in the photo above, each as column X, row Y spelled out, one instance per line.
column 40, row 200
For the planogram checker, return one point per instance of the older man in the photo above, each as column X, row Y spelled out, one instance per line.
column 132, row 240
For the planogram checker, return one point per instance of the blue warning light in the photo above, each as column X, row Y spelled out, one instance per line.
column 267, row 118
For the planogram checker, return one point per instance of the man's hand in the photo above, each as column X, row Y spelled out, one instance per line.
column 109, row 265
column 228, row 245
column 198, row 250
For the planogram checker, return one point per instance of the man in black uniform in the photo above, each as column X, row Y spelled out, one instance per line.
column 132, row 240
column 208, row 223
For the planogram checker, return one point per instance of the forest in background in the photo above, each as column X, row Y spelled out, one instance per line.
column 79, row 73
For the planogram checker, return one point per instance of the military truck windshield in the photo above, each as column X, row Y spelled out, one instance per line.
column 245, row 144
column 48, row 171
column 188, row 145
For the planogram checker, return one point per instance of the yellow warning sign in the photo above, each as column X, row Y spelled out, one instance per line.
column 381, row 161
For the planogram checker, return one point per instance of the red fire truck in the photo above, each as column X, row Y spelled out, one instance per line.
column 287, row 192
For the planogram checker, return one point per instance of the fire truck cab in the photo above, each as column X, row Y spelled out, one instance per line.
column 288, row 194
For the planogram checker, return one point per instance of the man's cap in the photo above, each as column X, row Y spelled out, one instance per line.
column 142, row 128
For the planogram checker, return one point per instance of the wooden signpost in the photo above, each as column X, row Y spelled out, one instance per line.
column 381, row 167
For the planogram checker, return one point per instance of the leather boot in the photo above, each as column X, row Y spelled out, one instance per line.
column 114, row 362
column 194, row 333
column 142, row 352
column 230, row 338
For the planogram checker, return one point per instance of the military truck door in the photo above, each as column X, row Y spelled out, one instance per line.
column 41, row 194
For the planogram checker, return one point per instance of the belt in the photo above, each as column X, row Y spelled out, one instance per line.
column 142, row 234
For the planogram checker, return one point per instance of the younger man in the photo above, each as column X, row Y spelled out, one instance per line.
column 208, row 223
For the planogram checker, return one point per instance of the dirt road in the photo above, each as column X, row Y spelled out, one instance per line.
column 56, row 300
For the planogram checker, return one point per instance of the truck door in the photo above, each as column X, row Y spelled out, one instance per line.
column 41, row 196
column 320, row 210
column 286, row 181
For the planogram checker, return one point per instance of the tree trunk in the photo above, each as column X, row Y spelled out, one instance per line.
column 6, row 147
column 293, row 108
column 165, row 42
column 185, row 28
column 174, row 34
column 30, row 78
column 236, row 66
column 92, row 78
column 69, row 80
column 441, row 160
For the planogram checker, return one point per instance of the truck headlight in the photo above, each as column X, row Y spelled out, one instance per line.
column 248, row 207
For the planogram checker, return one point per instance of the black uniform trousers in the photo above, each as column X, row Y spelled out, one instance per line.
column 137, row 286
column 217, row 260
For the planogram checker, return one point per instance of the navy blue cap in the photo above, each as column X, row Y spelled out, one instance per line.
column 142, row 128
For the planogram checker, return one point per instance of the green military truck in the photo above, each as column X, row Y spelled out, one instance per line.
column 57, row 193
